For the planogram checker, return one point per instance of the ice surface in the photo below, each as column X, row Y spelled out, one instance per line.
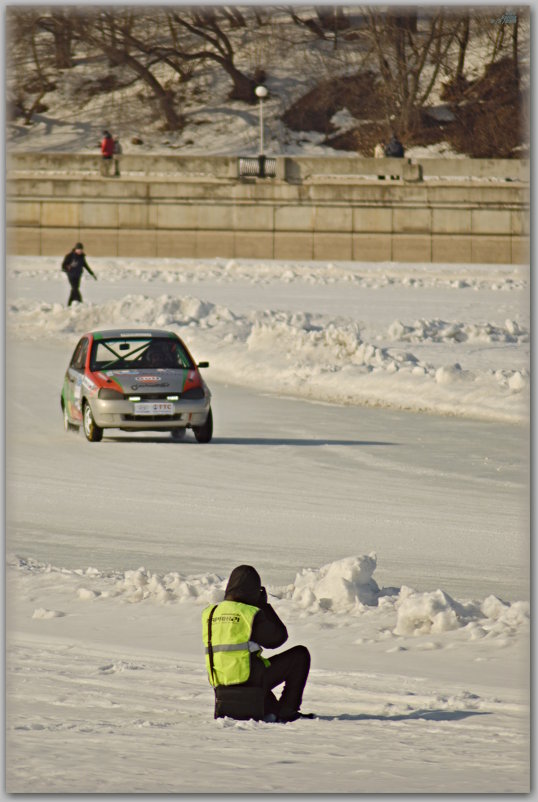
column 394, row 544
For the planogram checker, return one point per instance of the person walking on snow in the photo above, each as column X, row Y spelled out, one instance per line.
column 234, row 633
column 107, row 152
column 74, row 264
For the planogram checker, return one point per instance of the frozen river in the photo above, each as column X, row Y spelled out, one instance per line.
column 284, row 484
column 370, row 457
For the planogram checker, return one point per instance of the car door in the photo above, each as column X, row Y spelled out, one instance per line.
column 74, row 378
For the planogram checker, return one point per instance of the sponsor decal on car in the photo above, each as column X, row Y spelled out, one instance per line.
column 148, row 379
column 161, row 384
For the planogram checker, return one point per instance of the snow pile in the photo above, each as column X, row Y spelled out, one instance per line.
column 420, row 613
column 501, row 616
column 343, row 587
column 437, row 612
column 340, row 586
column 43, row 613
column 35, row 318
column 139, row 585
column 442, row 331
column 330, row 346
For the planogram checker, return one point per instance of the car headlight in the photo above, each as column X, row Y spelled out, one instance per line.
column 108, row 394
column 194, row 393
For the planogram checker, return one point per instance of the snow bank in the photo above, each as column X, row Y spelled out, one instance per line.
column 441, row 331
column 341, row 588
column 311, row 355
column 424, row 613
column 140, row 585
column 437, row 612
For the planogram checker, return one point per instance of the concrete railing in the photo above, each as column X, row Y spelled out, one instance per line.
column 288, row 168
column 481, row 215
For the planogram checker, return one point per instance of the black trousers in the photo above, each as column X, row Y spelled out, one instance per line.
column 75, row 292
column 291, row 668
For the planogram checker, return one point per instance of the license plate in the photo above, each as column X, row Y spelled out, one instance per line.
column 154, row 408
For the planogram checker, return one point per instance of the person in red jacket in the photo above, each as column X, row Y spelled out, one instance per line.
column 107, row 152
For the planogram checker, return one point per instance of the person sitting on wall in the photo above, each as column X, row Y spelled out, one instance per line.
column 379, row 153
column 107, row 152
column 118, row 151
column 394, row 150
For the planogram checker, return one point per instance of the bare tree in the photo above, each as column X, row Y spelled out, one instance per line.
column 209, row 40
column 59, row 23
column 112, row 31
column 410, row 53
column 31, row 73
column 462, row 37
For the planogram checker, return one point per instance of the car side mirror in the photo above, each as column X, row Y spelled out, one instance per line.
column 203, row 364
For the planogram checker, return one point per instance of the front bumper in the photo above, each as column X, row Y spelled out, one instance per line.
column 122, row 415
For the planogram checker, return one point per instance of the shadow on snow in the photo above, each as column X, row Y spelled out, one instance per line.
column 429, row 715
column 249, row 441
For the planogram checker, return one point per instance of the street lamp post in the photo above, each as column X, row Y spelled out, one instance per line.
column 261, row 92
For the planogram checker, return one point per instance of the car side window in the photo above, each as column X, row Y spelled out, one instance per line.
column 79, row 357
column 182, row 360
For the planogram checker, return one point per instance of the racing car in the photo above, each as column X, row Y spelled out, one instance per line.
column 135, row 381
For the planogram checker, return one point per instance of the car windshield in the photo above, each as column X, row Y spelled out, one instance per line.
column 128, row 353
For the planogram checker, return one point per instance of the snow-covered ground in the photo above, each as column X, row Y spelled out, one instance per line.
column 74, row 119
column 441, row 338
column 370, row 458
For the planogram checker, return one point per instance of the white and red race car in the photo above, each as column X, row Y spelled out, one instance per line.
column 136, row 381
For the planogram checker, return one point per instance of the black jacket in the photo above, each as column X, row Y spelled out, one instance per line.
column 394, row 149
column 74, row 263
column 244, row 585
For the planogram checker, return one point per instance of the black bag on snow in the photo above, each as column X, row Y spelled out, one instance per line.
column 241, row 702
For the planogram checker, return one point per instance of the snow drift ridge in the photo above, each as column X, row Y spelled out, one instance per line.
column 342, row 587
column 308, row 355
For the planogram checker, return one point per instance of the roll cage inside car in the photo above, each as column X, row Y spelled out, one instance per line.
column 138, row 352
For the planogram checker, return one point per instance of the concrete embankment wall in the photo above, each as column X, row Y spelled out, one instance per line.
column 438, row 210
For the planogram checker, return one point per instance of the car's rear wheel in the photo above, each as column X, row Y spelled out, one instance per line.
column 178, row 434
column 93, row 432
column 204, row 433
column 68, row 426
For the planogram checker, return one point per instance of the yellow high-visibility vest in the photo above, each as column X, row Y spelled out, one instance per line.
column 231, row 629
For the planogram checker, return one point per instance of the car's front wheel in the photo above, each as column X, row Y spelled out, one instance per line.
column 204, row 433
column 93, row 432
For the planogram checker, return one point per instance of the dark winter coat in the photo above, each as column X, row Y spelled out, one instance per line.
column 394, row 149
column 244, row 585
column 74, row 263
